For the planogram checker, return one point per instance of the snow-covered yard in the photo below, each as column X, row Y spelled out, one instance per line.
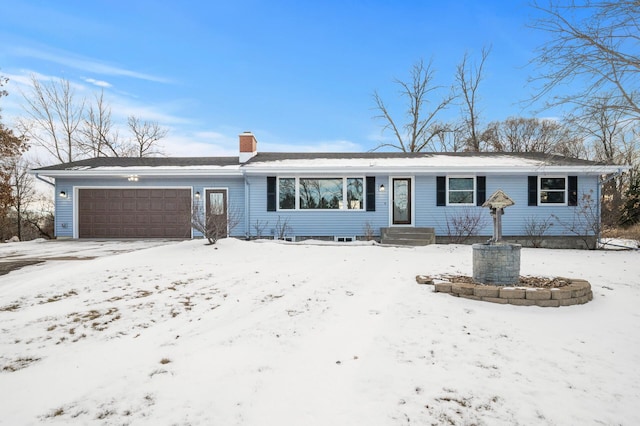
column 261, row 333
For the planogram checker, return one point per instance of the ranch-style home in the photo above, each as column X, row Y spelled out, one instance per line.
column 341, row 196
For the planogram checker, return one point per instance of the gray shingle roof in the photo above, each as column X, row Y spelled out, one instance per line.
column 547, row 158
column 262, row 157
column 144, row 162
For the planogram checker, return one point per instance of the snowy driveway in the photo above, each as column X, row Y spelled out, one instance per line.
column 18, row 255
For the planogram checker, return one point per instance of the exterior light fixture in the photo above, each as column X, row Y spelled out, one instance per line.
column 133, row 178
column 197, row 194
column 63, row 194
column 381, row 188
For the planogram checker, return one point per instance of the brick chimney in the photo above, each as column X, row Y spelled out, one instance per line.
column 248, row 146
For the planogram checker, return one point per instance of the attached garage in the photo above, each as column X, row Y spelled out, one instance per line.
column 134, row 213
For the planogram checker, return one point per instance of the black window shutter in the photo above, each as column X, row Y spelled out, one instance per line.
column 533, row 190
column 481, row 190
column 371, row 194
column 572, row 185
column 271, row 193
column 441, row 191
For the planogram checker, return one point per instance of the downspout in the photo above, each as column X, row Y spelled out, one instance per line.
column 44, row 180
column 55, row 203
column 247, row 209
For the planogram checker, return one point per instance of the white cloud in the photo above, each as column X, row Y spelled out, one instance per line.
column 98, row 83
column 82, row 63
column 121, row 106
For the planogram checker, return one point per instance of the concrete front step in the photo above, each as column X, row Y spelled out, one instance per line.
column 406, row 242
column 407, row 236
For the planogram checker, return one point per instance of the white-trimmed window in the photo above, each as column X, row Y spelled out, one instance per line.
column 325, row 193
column 553, row 190
column 461, row 191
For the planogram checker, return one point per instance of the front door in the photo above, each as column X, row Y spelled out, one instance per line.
column 401, row 201
column 217, row 211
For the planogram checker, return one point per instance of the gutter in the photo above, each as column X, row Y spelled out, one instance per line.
column 44, row 180
column 429, row 170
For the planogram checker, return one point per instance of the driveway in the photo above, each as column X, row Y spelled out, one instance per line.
column 18, row 255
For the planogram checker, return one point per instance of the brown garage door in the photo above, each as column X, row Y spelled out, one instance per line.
column 134, row 213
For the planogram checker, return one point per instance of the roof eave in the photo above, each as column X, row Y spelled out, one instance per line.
column 129, row 171
column 444, row 170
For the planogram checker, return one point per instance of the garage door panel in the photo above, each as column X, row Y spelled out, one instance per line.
column 172, row 206
column 128, row 220
column 134, row 213
column 100, row 219
column 156, row 219
column 156, row 205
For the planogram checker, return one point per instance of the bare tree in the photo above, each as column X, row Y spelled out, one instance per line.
column 282, row 229
column 11, row 148
column 259, row 226
column 536, row 228
column 421, row 126
column 592, row 43
column 610, row 136
column 468, row 78
column 70, row 128
column 214, row 226
column 519, row 134
column 464, row 224
column 99, row 138
column 54, row 118
column 145, row 137
column 451, row 137
column 585, row 222
column 613, row 141
column 24, row 193
column 41, row 224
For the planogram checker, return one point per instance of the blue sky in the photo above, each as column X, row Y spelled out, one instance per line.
column 299, row 75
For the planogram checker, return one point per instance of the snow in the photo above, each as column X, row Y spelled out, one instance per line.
column 619, row 244
column 246, row 333
column 424, row 161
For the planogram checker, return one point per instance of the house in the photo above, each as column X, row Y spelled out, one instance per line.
column 340, row 196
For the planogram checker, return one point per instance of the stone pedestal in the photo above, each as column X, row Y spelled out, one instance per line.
column 497, row 264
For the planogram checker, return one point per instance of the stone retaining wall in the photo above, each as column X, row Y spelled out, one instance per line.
column 576, row 293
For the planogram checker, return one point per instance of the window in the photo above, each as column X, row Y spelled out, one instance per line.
column 553, row 190
column 355, row 193
column 287, row 191
column 344, row 239
column 460, row 190
column 325, row 193
column 321, row 193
